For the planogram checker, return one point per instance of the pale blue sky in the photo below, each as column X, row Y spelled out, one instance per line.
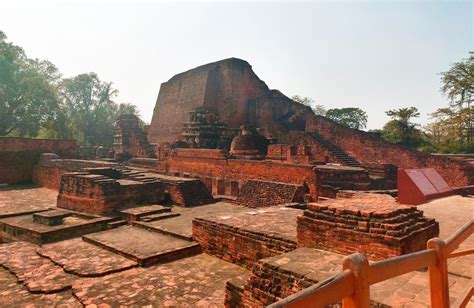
column 375, row 55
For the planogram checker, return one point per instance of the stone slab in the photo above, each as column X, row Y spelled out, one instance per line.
column 83, row 259
column 142, row 246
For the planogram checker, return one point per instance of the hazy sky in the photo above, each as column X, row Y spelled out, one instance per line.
column 375, row 55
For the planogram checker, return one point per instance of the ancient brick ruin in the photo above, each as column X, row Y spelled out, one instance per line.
column 373, row 224
column 234, row 196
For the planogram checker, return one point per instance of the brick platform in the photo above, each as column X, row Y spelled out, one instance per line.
column 83, row 259
column 372, row 224
column 142, row 246
column 262, row 193
column 25, row 228
column 244, row 238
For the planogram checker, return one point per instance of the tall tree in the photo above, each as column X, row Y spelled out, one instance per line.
column 350, row 117
column 308, row 101
column 458, row 87
column 28, row 94
column 401, row 130
column 90, row 108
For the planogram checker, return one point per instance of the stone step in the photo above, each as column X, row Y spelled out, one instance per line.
column 158, row 216
column 142, row 246
column 136, row 213
column 115, row 224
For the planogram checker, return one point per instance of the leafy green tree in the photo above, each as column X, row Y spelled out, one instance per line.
column 28, row 94
column 350, row 117
column 90, row 108
column 458, row 87
column 401, row 130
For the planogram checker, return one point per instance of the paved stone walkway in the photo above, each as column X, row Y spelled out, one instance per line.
column 38, row 274
column 197, row 281
column 84, row 259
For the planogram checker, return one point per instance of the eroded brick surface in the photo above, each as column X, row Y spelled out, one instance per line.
column 246, row 237
column 197, row 281
column 25, row 198
column 38, row 274
column 14, row 294
column 84, row 259
column 372, row 224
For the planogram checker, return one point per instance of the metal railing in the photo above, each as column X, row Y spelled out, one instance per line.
column 352, row 285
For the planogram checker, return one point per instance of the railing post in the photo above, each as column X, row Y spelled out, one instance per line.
column 439, row 287
column 359, row 265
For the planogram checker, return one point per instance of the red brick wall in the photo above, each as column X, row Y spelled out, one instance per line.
column 237, row 245
column 19, row 155
column 48, row 173
column 64, row 148
column 49, row 177
column 366, row 147
column 238, row 169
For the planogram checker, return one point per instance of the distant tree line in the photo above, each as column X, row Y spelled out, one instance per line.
column 451, row 128
column 35, row 101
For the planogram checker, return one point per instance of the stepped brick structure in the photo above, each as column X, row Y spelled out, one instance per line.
column 105, row 190
column 240, row 98
column 372, row 224
column 99, row 194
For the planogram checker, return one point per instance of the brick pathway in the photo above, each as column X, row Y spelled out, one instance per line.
column 13, row 294
column 25, row 198
column 38, row 274
column 84, row 259
column 197, row 281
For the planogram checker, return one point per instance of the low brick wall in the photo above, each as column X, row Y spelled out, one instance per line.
column 262, row 193
column 245, row 238
column 371, row 224
column 18, row 156
column 48, row 173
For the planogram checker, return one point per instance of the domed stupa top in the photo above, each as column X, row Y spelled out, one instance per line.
column 249, row 144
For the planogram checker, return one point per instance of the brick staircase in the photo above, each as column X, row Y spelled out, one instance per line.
column 337, row 151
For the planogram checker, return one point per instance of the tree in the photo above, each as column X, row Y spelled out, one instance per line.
column 401, row 130
column 307, row 101
column 28, row 94
column 458, row 87
column 90, row 108
column 350, row 117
